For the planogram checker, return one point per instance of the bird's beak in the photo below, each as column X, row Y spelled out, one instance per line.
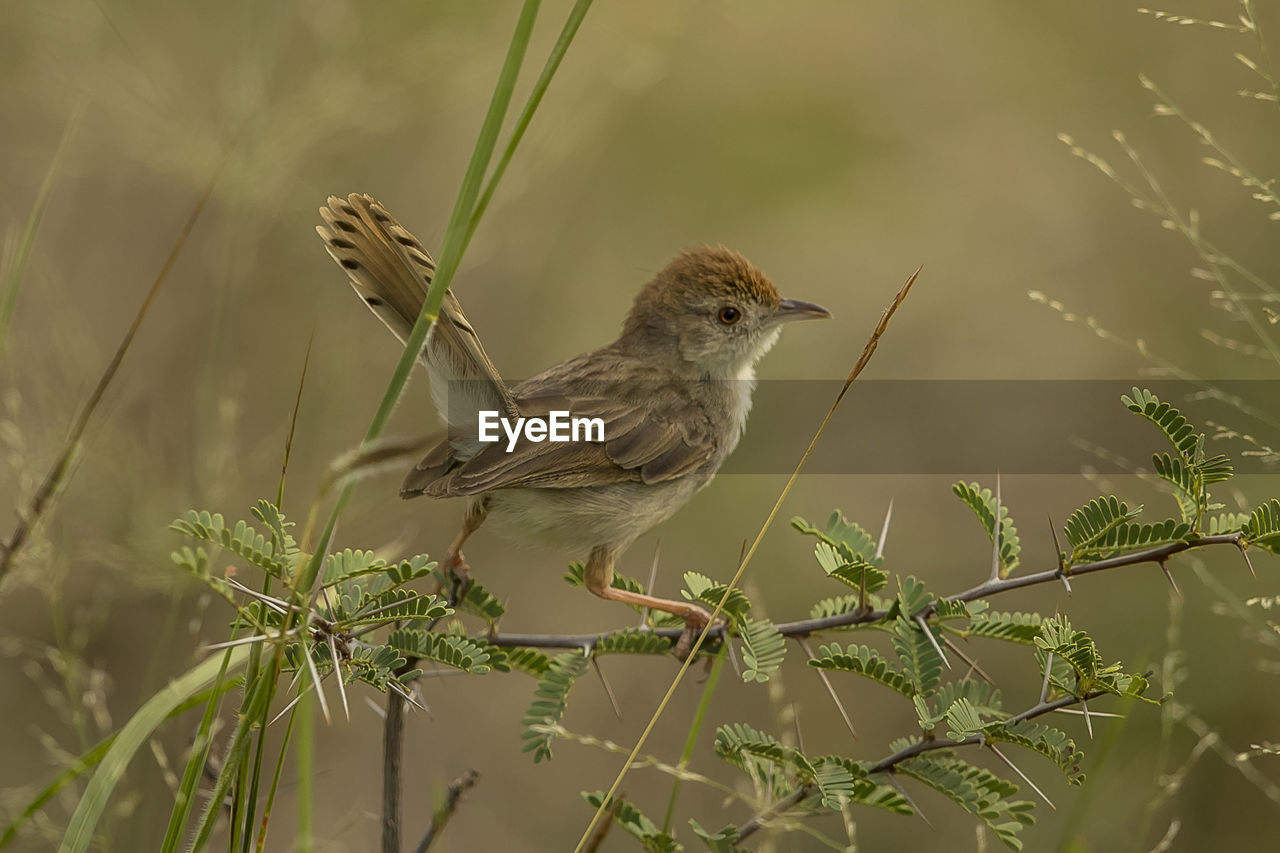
column 794, row 309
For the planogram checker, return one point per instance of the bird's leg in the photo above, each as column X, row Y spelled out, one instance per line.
column 599, row 577
column 454, row 566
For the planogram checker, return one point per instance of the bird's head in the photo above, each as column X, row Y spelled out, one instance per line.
column 713, row 309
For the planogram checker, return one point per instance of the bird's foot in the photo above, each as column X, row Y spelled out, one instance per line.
column 458, row 574
column 695, row 620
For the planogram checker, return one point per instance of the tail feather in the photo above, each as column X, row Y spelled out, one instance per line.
column 391, row 271
column 386, row 265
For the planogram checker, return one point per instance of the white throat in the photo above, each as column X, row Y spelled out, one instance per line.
column 744, row 382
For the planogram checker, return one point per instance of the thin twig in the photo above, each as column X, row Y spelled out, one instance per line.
column 805, row 627
column 441, row 816
column 56, row 477
column 887, row 763
column 788, row 802
column 923, row 746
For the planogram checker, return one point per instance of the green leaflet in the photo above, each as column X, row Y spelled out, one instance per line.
column 862, row 790
column 976, row 790
column 1087, row 672
column 241, row 540
column 1189, row 471
column 633, row 641
column 850, row 569
column 981, row 695
column 1014, row 627
column 706, row 591
column 838, row 781
column 863, row 661
column 1185, row 440
column 634, row 823
column 983, row 503
column 1053, row 744
column 529, row 661
column 1090, row 524
column 1104, row 527
column 724, row 840
column 839, row 531
column 840, row 605
column 921, row 663
column 763, row 649
column 845, row 552
column 1263, row 527
column 550, row 700
column 457, row 652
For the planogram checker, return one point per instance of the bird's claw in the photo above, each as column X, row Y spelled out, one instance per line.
column 695, row 620
column 458, row 573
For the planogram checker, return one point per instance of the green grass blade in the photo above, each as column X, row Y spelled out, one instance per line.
column 455, row 237
column 249, row 802
column 257, row 700
column 83, row 762
column 567, row 33
column 293, row 423
column 89, row 759
column 187, row 788
column 305, row 766
column 704, row 704
column 131, row 737
column 450, row 255
column 275, row 779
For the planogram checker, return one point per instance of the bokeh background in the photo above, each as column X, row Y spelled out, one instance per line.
column 837, row 145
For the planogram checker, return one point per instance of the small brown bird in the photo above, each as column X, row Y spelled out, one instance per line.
column 673, row 393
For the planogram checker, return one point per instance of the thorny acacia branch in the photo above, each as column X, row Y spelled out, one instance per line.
column 805, row 627
column 887, row 764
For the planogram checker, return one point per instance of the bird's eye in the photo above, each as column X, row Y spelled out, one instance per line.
column 729, row 315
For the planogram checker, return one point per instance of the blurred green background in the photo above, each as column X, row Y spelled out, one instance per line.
column 837, row 145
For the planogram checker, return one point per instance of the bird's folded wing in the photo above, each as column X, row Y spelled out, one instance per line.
column 391, row 271
column 641, row 444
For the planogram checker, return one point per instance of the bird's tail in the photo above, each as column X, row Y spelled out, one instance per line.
column 391, row 271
